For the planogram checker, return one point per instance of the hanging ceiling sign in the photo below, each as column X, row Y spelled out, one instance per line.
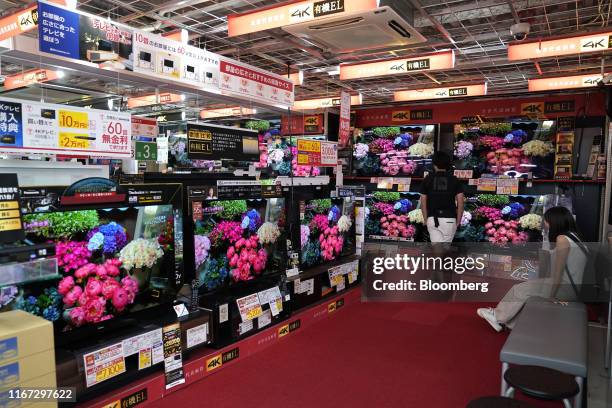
column 247, row 81
column 18, row 23
column 154, row 99
column 31, row 127
column 322, row 103
column 441, row 93
column 566, row 82
column 559, row 47
column 398, row 66
column 34, row 76
column 293, row 12
column 297, row 78
column 226, row 112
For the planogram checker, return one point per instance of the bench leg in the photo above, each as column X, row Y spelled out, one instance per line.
column 504, row 385
column 578, row 398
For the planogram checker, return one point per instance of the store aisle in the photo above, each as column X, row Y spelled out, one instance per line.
column 368, row 355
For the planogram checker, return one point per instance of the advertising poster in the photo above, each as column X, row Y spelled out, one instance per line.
column 104, row 364
column 83, row 37
column 173, row 359
column 11, row 227
column 207, row 142
column 247, row 81
column 166, row 58
column 31, row 127
column 345, row 119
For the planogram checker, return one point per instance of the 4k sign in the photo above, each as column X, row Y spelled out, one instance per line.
column 532, row 109
column 145, row 151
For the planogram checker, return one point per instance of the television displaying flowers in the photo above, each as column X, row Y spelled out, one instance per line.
column 238, row 240
column 513, row 149
column 111, row 262
column 394, row 216
column 501, row 219
column 327, row 230
column 278, row 155
column 393, row 150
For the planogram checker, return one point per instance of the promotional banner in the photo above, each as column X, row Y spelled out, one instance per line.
column 441, row 93
column 345, row 119
column 166, row 58
column 84, row 37
column 247, row 81
column 34, row 76
column 398, row 66
column 32, row 127
column 560, row 47
column 299, row 124
column 206, row 142
column 11, row 226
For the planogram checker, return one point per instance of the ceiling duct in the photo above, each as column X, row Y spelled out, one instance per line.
column 391, row 24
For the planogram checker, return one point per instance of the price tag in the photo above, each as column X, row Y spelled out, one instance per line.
column 144, row 358
column 73, row 140
column 352, row 277
column 73, row 120
column 104, row 364
column 245, row 327
column 464, row 174
column 249, row 307
column 341, row 285
column 265, row 319
column 507, row 186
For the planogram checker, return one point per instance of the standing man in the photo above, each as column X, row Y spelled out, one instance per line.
column 442, row 200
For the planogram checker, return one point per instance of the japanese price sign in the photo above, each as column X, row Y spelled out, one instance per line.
column 317, row 153
column 11, row 228
column 104, row 364
column 30, row 127
column 249, row 307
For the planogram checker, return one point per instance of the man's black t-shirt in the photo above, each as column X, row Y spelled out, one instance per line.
column 441, row 189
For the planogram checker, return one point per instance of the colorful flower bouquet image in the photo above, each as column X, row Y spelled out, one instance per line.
column 239, row 240
column 500, row 219
column 111, row 262
column 278, row 155
column 391, row 151
column 392, row 215
column 327, row 230
column 513, row 149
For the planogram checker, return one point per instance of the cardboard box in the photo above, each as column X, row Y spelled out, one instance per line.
column 44, row 381
column 16, row 372
column 23, row 334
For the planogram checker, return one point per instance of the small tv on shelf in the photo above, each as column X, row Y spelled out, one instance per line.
column 118, row 251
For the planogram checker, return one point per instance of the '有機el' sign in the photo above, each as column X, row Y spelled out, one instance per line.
column 212, row 142
column 322, row 103
column 247, row 81
column 566, row 82
column 559, row 47
column 441, row 93
column 31, row 127
column 293, row 13
column 398, row 66
column 31, row 77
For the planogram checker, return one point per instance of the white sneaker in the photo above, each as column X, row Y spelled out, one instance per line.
column 488, row 314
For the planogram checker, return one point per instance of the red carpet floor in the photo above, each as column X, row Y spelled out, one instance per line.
column 366, row 355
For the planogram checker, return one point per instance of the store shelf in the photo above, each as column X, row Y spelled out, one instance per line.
column 196, row 367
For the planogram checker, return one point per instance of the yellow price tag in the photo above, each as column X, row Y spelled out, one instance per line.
column 73, row 140
column 254, row 313
column 73, row 120
column 303, row 159
column 111, row 371
column 279, row 305
column 309, row 146
column 10, row 224
column 9, row 214
column 9, row 205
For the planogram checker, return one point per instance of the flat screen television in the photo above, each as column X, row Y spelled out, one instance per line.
column 327, row 230
column 118, row 253
column 237, row 240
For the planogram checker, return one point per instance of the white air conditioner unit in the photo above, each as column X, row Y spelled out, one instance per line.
column 387, row 26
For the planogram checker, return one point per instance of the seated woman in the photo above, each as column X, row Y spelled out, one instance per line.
column 569, row 260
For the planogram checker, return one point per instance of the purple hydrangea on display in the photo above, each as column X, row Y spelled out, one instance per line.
column 463, row 149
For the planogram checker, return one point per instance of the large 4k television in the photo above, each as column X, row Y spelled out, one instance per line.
column 118, row 252
column 237, row 240
column 327, row 230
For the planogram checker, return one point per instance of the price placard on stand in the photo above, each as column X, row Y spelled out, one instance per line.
column 249, row 307
column 485, row 184
column 11, row 225
column 173, row 357
column 104, row 364
column 317, row 153
column 507, row 186
column 33, row 127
